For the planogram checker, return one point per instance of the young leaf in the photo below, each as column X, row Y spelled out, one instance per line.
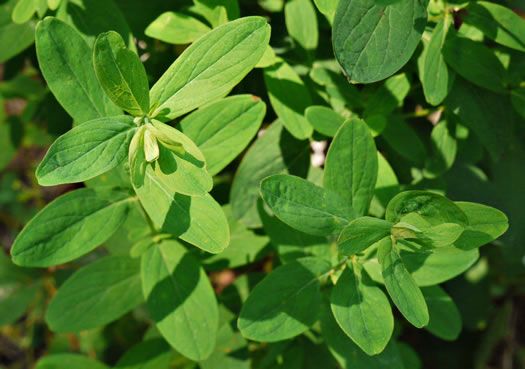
column 70, row 361
column 485, row 225
column 497, row 22
column 176, row 28
column 445, row 320
column 222, row 130
column 275, row 152
column 475, row 62
column 289, row 98
column 180, row 166
column 372, row 40
column 305, row 206
column 433, row 208
column 24, row 10
column 87, row 151
column 348, row 354
column 437, row 78
column 69, row 73
column 152, row 353
column 121, row 74
column 301, row 23
column 88, row 298
column 324, row 120
column 180, row 299
column 210, row 67
column 151, row 146
column 70, row 227
column 198, row 220
column 401, row 286
column 362, row 310
column 351, row 165
column 286, row 303
column 362, row 233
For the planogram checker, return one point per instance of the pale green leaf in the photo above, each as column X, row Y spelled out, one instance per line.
column 70, row 227
column 87, row 151
column 24, row 11
column 70, row 361
column 180, row 299
column 88, row 299
column 324, row 120
column 176, row 28
column 362, row 310
column 286, row 303
column 301, row 23
column 210, row 67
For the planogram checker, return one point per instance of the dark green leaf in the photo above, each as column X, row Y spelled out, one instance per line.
column 445, row 320
column 149, row 354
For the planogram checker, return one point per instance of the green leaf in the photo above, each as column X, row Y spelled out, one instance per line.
column 482, row 112
column 70, row 361
column 388, row 97
column 198, row 220
column 121, row 73
column 437, row 78
column 286, row 303
column 222, row 130
column 348, row 354
column 351, row 165
column 245, row 246
column 485, row 225
column 387, row 186
column 445, row 320
column 53, row 4
column 69, row 73
column 372, row 40
column 435, row 266
column 324, row 120
column 209, row 8
column 444, row 147
column 401, row 286
column 24, row 11
column 210, row 67
column 404, row 140
column 289, row 98
column 328, row 8
column 475, row 62
column 518, row 100
column 292, row 244
column 362, row 310
column 93, row 17
column 362, row 233
column 14, row 38
column 276, row 151
column 153, row 353
column 87, row 151
column 70, row 227
column 433, row 208
column 301, row 23
column 180, row 299
column 176, row 28
column 442, row 235
column 88, row 299
column 305, row 206
column 497, row 22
